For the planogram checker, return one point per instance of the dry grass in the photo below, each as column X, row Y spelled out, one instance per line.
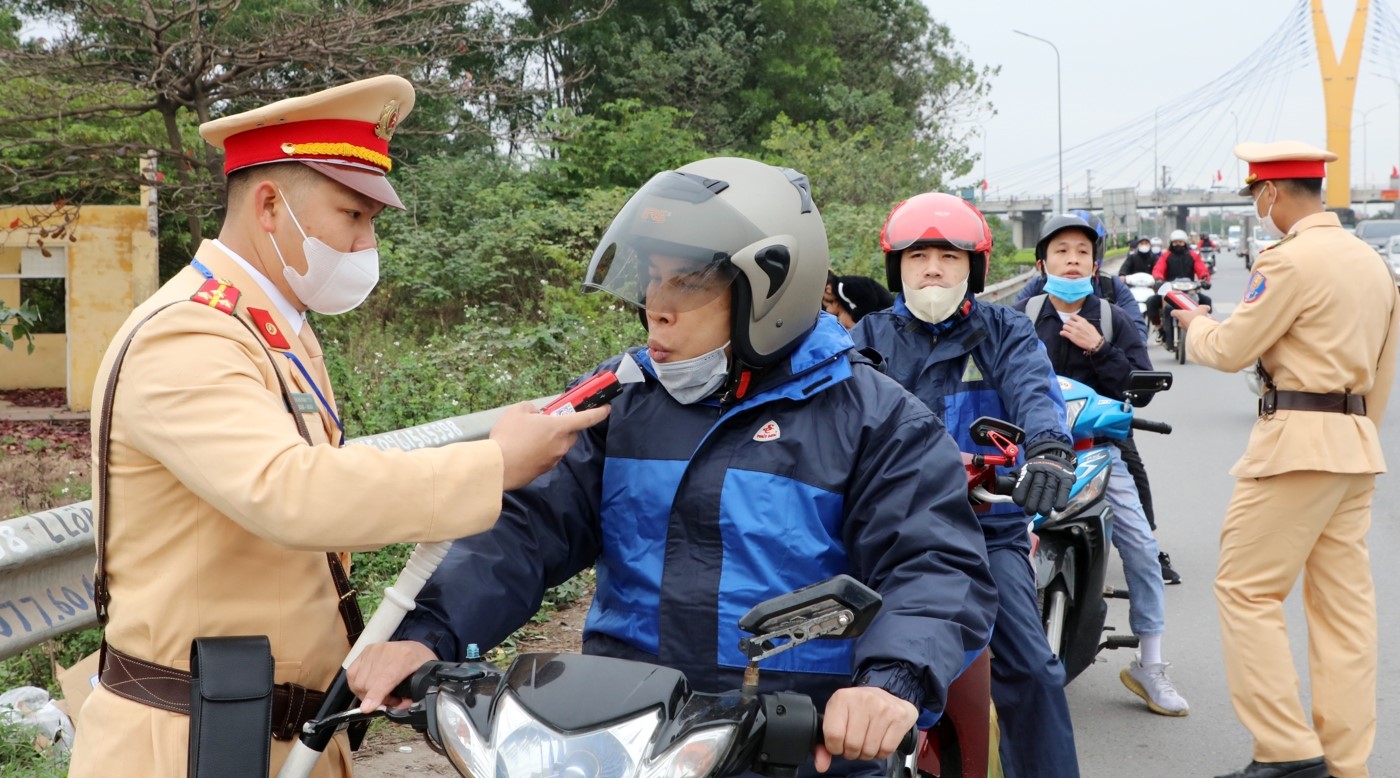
column 43, row 465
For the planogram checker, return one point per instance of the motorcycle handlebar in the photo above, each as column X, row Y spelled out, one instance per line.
column 1148, row 425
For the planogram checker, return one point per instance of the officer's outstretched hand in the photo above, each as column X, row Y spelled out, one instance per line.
column 1045, row 482
column 380, row 667
column 863, row 722
column 533, row 443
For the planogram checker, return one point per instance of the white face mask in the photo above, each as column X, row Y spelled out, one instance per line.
column 1267, row 220
column 689, row 381
column 934, row 304
column 1145, row 248
column 335, row 281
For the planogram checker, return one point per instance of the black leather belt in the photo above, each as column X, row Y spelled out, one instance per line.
column 169, row 689
column 1283, row 400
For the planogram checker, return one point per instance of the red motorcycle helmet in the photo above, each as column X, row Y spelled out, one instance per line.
column 937, row 219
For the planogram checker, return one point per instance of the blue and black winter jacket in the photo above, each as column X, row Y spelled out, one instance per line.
column 692, row 514
column 987, row 363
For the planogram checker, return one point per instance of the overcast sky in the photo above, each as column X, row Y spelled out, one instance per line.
column 1123, row 58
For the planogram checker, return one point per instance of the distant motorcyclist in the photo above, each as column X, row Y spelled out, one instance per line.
column 1177, row 262
column 1139, row 260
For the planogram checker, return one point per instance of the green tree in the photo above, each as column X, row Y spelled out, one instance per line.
column 148, row 73
column 621, row 145
column 17, row 323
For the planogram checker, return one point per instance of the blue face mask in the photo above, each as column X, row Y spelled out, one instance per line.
column 1071, row 290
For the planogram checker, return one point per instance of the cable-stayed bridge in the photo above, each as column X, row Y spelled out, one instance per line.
column 1190, row 139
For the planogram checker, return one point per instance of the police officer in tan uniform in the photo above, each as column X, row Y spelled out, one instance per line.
column 1319, row 318
column 221, row 482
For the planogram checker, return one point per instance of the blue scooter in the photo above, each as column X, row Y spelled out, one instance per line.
column 1070, row 553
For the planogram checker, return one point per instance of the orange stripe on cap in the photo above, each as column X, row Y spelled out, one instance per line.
column 314, row 140
column 1286, row 168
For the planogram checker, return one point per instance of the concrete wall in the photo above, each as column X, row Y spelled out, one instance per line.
column 112, row 268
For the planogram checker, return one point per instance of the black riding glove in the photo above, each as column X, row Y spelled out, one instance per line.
column 1044, row 483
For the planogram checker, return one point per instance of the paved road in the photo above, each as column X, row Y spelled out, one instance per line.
column 1212, row 413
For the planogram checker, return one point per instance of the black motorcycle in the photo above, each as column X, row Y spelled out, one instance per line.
column 579, row 716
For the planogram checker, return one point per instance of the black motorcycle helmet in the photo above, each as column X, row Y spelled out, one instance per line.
column 1068, row 221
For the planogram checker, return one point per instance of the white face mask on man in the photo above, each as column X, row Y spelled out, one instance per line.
column 689, row 381
column 1266, row 220
column 335, row 281
column 934, row 304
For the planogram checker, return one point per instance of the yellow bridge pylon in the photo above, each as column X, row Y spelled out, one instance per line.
column 1339, row 91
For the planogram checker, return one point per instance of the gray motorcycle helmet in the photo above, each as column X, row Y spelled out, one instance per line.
column 748, row 224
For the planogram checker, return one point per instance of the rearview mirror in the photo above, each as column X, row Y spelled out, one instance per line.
column 982, row 428
column 1149, row 381
column 839, row 607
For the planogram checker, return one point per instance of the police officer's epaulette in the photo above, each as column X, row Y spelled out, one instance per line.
column 217, row 294
column 1284, row 240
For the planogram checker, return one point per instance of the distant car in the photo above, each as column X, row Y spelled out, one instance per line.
column 1378, row 232
column 1392, row 256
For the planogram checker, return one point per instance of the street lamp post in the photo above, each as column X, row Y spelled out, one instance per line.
column 1365, row 138
column 1397, row 105
column 1237, row 142
column 1059, row 115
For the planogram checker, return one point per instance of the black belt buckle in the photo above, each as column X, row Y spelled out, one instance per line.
column 1268, row 403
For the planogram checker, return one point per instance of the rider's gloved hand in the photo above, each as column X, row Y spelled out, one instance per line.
column 1044, row 483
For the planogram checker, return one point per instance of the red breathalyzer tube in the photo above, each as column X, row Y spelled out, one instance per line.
column 592, row 393
column 1182, row 300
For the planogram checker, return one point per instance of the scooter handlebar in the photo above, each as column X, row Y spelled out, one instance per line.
column 1148, row 425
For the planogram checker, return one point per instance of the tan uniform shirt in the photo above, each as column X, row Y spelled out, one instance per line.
column 220, row 514
column 1320, row 313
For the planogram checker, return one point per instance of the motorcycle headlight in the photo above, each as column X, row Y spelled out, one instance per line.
column 1185, row 286
column 1091, row 491
column 1072, row 410
column 523, row 747
column 694, row 756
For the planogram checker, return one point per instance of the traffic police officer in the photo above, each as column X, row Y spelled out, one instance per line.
column 219, row 477
column 1320, row 317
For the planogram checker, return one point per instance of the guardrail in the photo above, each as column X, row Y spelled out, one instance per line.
column 47, row 558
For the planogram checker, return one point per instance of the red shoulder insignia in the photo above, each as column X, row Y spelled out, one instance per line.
column 269, row 329
column 217, row 294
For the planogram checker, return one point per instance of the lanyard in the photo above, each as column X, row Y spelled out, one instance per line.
column 319, row 396
column 204, row 271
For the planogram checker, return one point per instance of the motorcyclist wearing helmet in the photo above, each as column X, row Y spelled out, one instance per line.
column 965, row 360
column 761, row 453
column 1106, row 285
column 1069, row 323
column 1177, row 262
column 1140, row 259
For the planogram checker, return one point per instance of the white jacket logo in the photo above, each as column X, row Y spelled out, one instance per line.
column 768, row 432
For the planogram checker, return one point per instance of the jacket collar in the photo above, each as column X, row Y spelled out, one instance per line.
column 252, row 296
column 1324, row 219
column 289, row 312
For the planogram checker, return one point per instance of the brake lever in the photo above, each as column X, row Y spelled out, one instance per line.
column 347, row 717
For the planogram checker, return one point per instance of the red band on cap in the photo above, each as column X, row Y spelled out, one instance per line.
column 1287, row 168
column 317, row 140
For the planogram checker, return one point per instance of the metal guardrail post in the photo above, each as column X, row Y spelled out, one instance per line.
column 47, row 558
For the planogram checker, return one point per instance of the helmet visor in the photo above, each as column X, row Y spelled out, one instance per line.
column 670, row 246
column 926, row 219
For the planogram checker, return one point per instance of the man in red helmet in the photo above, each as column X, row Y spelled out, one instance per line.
column 964, row 360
